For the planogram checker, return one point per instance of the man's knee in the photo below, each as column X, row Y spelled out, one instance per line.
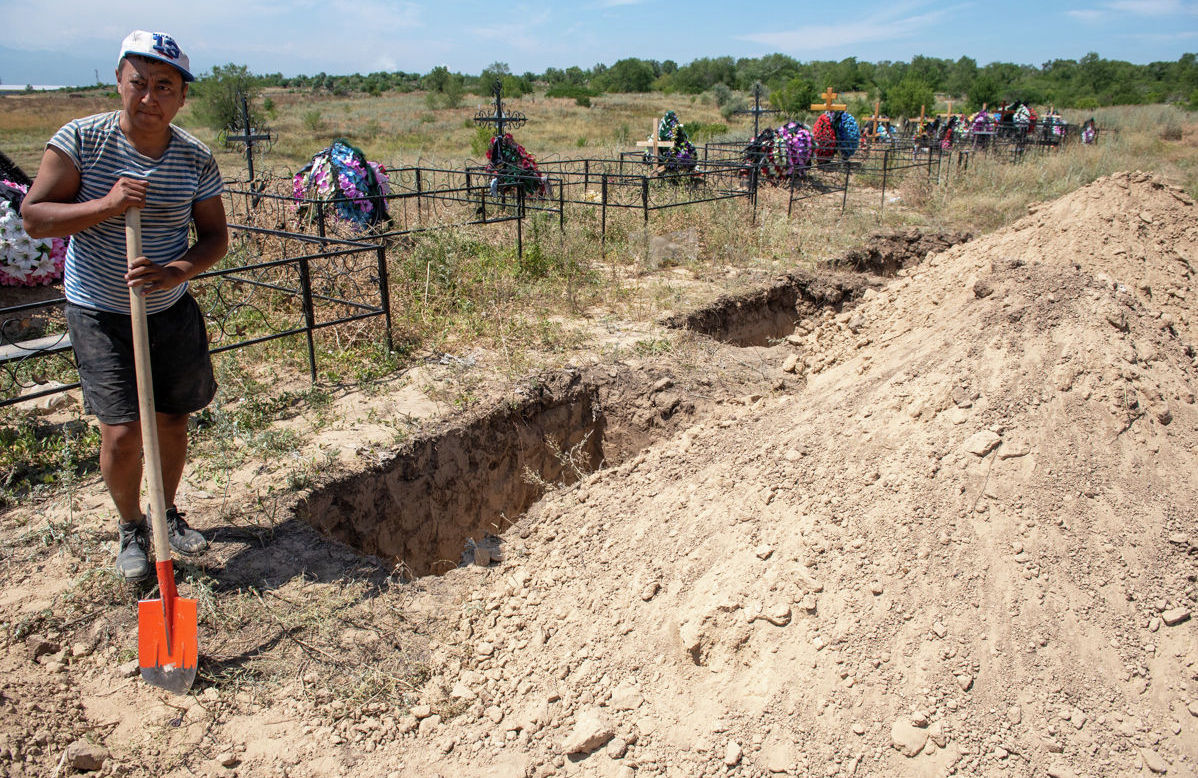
column 173, row 423
column 121, row 440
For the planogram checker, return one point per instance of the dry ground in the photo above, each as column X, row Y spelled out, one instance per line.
column 937, row 522
column 934, row 522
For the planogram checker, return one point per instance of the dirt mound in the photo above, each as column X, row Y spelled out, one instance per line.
column 1130, row 228
column 885, row 253
column 946, row 525
column 968, row 545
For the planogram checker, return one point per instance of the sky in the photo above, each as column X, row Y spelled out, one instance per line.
column 69, row 42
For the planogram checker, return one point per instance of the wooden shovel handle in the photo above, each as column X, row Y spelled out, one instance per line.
column 145, row 398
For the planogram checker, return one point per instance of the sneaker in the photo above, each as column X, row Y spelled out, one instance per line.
column 183, row 538
column 131, row 561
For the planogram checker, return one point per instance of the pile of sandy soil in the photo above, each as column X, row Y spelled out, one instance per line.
column 967, row 545
column 954, row 534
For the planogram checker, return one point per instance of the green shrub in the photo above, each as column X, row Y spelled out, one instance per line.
column 216, row 98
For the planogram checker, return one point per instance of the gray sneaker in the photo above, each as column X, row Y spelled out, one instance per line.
column 183, row 538
column 131, row 561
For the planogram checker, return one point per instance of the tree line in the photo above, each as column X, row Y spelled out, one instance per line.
column 791, row 85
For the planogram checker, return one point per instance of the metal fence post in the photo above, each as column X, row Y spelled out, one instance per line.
column 385, row 294
column 753, row 190
column 309, row 315
column 419, row 188
column 645, row 196
column 603, row 219
column 848, row 168
column 885, row 172
column 520, row 222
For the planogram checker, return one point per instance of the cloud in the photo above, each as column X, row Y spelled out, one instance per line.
column 1089, row 15
column 618, row 3
column 1150, row 7
column 522, row 35
column 1134, row 8
column 884, row 26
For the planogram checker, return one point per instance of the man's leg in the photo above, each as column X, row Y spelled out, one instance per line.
column 172, row 443
column 120, row 464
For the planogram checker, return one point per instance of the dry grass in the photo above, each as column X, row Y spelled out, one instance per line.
column 468, row 287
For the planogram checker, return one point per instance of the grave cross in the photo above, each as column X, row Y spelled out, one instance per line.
column 654, row 141
column 828, row 105
column 876, row 120
column 922, row 118
column 757, row 111
column 513, row 120
column 249, row 136
column 949, row 113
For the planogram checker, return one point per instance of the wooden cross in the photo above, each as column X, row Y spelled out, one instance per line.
column 828, row 105
column 512, row 120
column 949, row 114
column 757, row 111
column 876, row 120
column 922, row 118
column 249, row 136
column 654, row 141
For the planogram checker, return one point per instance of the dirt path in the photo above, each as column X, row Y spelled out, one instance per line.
column 946, row 524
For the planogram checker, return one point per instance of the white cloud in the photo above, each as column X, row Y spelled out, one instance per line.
column 1134, row 8
column 884, row 26
column 1088, row 15
column 1149, row 7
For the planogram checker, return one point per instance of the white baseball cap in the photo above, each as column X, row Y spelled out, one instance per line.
column 159, row 46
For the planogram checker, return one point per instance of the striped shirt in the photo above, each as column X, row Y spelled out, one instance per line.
column 185, row 174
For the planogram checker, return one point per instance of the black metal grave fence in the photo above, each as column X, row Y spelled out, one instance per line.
column 271, row 285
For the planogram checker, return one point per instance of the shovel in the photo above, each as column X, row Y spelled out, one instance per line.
column 167, row 648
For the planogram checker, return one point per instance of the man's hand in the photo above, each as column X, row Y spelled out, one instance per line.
column 153, row 278
column 126, row 193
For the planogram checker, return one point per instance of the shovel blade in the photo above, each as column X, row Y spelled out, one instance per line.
column 168, row 657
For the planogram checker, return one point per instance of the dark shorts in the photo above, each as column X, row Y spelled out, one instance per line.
column 179, row 361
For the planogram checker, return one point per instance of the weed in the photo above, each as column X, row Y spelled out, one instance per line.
column 37, row 455
column 313, row 120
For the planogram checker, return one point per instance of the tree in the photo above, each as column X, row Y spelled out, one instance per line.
column 216, row 100
column 907, row 97
column 983, row 91
column 629, row 75
column 794, row 97
column 436, row 79
column 961, row 76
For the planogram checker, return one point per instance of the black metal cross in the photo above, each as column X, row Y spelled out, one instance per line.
column 513, row 120
column 757, row 110
column 249, row 136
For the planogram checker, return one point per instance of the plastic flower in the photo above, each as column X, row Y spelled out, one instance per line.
column 26, row 261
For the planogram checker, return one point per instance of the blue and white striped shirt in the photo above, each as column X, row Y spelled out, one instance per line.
column 185, row 174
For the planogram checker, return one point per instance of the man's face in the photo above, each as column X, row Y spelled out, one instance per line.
column 152, row 92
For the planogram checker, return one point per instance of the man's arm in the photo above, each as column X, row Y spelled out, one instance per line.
column 50, row 210
column 212, row 241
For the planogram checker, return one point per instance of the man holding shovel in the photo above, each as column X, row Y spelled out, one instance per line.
column 94, row 170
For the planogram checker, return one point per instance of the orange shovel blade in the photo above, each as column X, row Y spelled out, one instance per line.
column 168, row 657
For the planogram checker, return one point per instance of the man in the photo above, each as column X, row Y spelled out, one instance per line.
column 93, row 170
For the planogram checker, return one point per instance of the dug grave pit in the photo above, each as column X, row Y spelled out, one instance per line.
column 433, row 504
column 763, row 317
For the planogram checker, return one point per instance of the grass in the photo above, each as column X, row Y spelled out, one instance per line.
column 459, row 290
column 465, row 292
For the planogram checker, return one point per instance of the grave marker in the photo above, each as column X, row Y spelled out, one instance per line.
column 513, row 120
column 249, row 137
column 828, row 105
column 757, row 111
